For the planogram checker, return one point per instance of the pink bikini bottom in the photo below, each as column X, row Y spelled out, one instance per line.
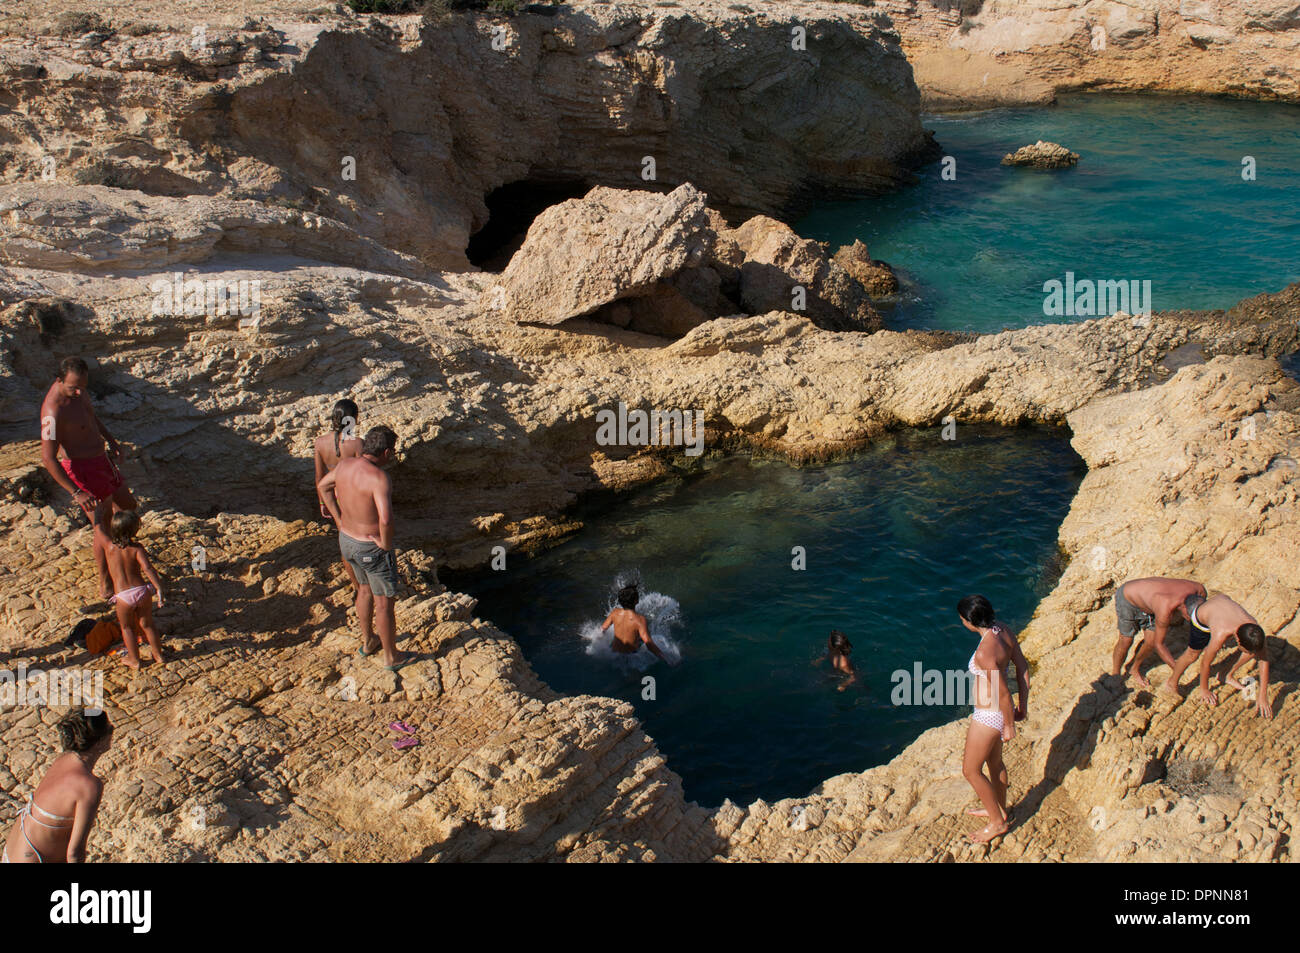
column 134, row 596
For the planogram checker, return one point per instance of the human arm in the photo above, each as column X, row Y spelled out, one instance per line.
column 1261, row 700
column 1163, row 618
column 320, row 475
column 101, row 563
column 1207, row 658
column 50, row 460
column 83, row 820
column 609, row 620
column 1022, row 680
column 146, row 567
column 650, row 643
column 384, row 509
column 325, row 490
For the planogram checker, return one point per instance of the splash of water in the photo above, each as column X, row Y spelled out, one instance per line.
column 662, row 614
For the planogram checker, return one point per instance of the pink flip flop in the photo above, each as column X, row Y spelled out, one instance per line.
column 401, row 727
column 401, row 744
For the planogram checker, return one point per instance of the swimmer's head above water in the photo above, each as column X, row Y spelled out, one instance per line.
column 628, row 597
column 976, row 612
column 839, row 643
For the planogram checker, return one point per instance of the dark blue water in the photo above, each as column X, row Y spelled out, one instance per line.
column 1158, row 195
column 893, row 539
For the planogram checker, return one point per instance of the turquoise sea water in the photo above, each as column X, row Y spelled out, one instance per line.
column 1157, row 195
column 892, row 538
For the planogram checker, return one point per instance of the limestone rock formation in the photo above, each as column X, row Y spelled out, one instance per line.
column 1042, row 155
column 876, row 277
column 711, row 93
column 780, row 267
column 611, row 245
column 982, row 53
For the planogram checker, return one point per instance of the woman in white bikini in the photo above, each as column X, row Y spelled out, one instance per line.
column 124, row 565
column 994, row 718
column 54, row 825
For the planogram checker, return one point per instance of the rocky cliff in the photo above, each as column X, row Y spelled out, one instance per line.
column 401, row 131
column 971, row 54
column 265, row 737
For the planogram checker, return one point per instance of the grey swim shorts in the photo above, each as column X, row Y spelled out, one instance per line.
column 375, row 567
column 1131, row 618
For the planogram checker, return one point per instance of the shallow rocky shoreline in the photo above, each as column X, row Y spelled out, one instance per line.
column 269, row 727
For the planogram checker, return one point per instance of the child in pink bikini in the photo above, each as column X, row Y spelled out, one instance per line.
column 125, row 564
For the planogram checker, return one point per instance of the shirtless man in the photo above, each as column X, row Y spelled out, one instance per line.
column 358, row 495
column 629, row 625
column 334, row 446
column 86, row 470
column 1214, row 622
column 1150, row 604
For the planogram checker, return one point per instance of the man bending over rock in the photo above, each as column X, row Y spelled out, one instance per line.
column 1150, row 604
column 1214, row 622
column 86, row 471
column 358, row 495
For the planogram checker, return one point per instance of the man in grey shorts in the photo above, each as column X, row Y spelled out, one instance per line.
column 358, row 495
column 1151, row 604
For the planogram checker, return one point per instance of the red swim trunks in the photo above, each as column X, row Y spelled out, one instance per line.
column 96, row 475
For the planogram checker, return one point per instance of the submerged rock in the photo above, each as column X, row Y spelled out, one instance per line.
column 1042, row 155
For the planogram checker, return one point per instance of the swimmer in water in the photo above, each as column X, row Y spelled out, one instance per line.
column 629, row 625
column 838, row 650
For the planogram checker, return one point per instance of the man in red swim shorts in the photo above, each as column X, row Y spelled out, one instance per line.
column 68, row 421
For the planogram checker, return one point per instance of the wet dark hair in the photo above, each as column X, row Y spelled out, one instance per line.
column 1251, row 637
column 123, row 528
column 73, row 365
column 839, row 642
column 378, row 442
column 1192, row 603
column 79, row 731
column 344, row 408
column 628, row 597
column 976, row 610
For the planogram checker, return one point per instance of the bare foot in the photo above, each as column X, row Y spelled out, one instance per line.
column 1232, row 683
column 978, row 812
column 134, row 666
column 986, row 834
column 1169, row 688
column 1140, row 679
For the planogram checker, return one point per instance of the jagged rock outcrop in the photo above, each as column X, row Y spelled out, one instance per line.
column 981, row 53
column 876, row 277
column 292, row 112
column 782, row 271
column 664, row 265
column 1042, row 155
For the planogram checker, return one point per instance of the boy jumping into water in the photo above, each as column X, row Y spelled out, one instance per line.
column 1151, row 604
column 629, row 625
column 123, row 568
column 1214, row 622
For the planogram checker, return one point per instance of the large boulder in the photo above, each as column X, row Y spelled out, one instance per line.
column 610, row 245
column 778, row 263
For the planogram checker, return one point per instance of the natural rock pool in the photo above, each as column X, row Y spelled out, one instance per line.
column 1158, row 195
column 893, row 538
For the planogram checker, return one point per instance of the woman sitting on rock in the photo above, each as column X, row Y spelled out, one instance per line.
column 993, row 721
column 54, row 825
